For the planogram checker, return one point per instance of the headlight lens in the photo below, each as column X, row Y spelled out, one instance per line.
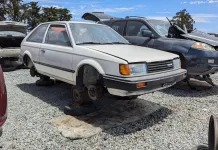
column 203, row 46
column 137, row 68
column 177, row 63
column 133, row 69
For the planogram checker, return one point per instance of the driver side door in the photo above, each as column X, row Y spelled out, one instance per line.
column 133, row 34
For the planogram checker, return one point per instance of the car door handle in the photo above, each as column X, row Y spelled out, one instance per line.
column 43, row 51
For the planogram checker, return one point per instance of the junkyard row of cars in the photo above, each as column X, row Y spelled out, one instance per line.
column 125, row 57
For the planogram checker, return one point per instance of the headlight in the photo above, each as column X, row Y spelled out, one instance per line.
column 137, row 68
column 177, row 63
column 133, row 69
column 203, row 46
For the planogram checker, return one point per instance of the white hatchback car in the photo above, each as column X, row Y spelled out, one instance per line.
column 94, row 57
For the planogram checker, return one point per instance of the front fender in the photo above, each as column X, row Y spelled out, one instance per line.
column 172, row 45
column 92, row 63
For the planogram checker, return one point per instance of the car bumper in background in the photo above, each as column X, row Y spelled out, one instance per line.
column 201, row 62
column 9, row 52
column 128, row 86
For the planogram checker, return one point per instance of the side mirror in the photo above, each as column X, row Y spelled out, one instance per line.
column 147, row 33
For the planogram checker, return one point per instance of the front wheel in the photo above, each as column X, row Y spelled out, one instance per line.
column 80, row 97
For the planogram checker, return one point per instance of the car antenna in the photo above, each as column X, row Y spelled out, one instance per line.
column 169, row 21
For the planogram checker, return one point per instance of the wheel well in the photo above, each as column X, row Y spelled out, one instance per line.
column 88, row 75
column 27, row 61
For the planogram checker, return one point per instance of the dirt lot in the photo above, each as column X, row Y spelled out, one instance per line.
column 177, row 119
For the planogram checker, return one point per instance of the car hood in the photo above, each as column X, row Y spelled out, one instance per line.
column 12, row 26
column 202, row 37
column 132, row 53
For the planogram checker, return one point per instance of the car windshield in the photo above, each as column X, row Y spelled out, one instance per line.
column 160, row 26
column 12, row 33
column 95, row 34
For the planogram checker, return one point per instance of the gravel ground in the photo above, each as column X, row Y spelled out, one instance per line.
column 182, row 125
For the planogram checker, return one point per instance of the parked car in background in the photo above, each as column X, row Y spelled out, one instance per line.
column 197, row 51
column 214, row 34
column 94, row 57
column 3, row 101
column 11, row 35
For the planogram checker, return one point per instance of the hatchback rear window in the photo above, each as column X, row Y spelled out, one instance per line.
column 38, row 35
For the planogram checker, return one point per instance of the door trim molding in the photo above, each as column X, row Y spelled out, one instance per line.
column 55, row 67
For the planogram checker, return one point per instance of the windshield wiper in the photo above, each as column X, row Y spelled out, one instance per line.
column 89, row 43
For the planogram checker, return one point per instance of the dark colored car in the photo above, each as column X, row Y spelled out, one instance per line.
column 214, row 34
column 197, row 50
column 3, row 101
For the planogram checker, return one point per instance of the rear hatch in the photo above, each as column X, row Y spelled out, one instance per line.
column 97, row 16
column 11, row 34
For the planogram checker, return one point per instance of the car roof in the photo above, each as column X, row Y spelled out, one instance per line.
column 66, row 22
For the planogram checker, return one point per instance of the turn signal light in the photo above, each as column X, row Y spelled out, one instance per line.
column 124, row 69
column 141, row 84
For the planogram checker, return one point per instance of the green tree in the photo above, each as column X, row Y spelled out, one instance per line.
column 15, row 10
column 184, row 18
column 63, row 14
column 55, row 14
column 2, row 10
column 33, row 15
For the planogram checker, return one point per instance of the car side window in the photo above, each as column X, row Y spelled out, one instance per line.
column 38, row 35
column 57, row 35
column 119, row 26
column 135, row 28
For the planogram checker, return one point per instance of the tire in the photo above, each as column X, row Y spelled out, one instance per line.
column 44, row 78
column 80, row 97
column 44, row 82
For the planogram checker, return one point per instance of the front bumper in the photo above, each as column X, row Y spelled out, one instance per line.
column 9, row 52
column 127, row 86
column 196, row 62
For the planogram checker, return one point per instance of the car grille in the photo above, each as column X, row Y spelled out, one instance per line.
column 160, row 66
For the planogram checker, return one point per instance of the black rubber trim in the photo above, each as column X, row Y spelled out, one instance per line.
column 56, row 67
column 111, row 83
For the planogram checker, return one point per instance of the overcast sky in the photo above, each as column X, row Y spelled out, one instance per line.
column 204, row 12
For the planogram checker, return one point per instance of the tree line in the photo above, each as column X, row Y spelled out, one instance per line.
column 31, row 13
